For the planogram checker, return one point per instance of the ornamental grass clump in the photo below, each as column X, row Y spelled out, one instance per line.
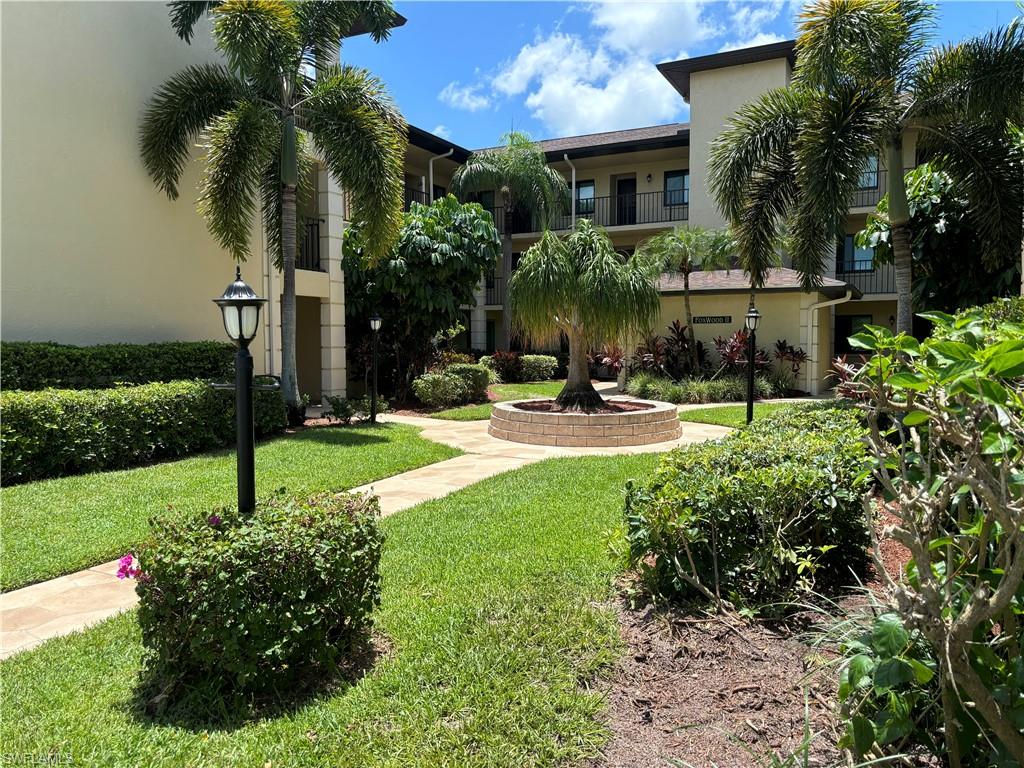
column 250, row 603
column 757, row 517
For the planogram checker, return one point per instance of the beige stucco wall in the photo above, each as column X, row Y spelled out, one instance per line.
column 715, row 95
column 91, row 250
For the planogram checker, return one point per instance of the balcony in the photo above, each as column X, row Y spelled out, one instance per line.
column 494, row 291
column 309, row 244
column 868, row 197
column 611, row 211
column 415, row 196
column 881, row 279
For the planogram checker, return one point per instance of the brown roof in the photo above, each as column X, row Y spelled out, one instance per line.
column 735, row 280
column 611, row 142
column 678, row 72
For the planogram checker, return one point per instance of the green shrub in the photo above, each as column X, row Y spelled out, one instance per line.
column 440, row 389
column 345, row 410
column 755, row 516
column 539, row 367
column 475, row 377
column 507, row 365
column 38, row 365
column 726, row 389
column 254, row 601
column 57, row 432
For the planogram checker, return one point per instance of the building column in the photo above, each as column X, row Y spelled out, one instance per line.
column 332, row 309
column 478, row 317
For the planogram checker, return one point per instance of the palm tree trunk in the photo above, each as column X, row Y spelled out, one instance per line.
column 899, row 223
column 694, row 359
column 289, row 377
column 506, row 276
column 578, row 393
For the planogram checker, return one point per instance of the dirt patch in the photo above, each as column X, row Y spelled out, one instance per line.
column 610, row 406
column 713, row 693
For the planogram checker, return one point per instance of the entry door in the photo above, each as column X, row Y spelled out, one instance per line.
column 625, row 197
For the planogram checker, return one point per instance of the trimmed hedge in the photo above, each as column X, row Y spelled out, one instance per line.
column 440, row 389
column 726, row 389
column 539, row 367
column 250, row 603
column 57, row 432
column 475, row 377
column 39, row 365
column 757, row 516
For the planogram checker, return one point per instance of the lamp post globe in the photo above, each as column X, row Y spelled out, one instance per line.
column 752, row 320
column 375, row 324
column 240, row 309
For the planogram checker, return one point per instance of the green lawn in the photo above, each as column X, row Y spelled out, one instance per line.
column 491, row 608
column 733, row 415
column 58, row 526
column 482, row 411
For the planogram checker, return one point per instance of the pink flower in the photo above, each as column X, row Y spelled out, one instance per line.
column 214, row 520
column 127, row 568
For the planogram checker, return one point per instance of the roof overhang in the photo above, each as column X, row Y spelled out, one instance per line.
column 681, row 139
column 436, row 145
column 359, row 28
column 678, row 72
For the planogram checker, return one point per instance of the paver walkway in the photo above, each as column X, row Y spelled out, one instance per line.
column 30, row 615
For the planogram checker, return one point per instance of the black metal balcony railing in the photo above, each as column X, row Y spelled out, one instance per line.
column 415, row 196
column 868, row 196
column 309, row 245
column 494, row 292
column 609, row 211
column 881, row 279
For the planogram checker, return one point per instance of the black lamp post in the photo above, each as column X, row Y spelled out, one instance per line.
column 752, row 319
column 375, row 323
column 241, row 309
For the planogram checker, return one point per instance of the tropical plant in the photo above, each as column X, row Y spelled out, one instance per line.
column 683, row 355
column 579, row 286
column 689, row 249
column 650, row 354
column 940, row 234
column 419, row 287
column 733, row 353
column 524, row 186
column 257, row 113
column 791, row 160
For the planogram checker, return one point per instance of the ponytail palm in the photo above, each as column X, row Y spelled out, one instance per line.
column 263, row 115
column 522, row 182
column 577, row 285
column 684, row 250
column 791, row 161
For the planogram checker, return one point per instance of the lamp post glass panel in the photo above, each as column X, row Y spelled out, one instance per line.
column 240, row 307
column 752, row 320
column 375, row 323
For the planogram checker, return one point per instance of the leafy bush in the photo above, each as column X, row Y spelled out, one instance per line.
column 508, row 366
column 346, row 411
column 254, row 601
column 756, row 516
column 440, row 389
column 539, row 367
column 648, row 385
column 732, row 353
column 35, row 365
column 57, row 432
column 946, row 437
column 475, row 377
column 448, row 357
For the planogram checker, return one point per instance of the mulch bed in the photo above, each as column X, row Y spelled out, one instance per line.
column 713, row 692
column 610, row 406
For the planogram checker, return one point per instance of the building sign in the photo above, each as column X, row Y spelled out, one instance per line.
column 712, row 319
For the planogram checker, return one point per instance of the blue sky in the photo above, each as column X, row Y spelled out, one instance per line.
column 473, row 70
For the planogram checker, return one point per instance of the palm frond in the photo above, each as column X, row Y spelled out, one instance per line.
column 185, row 14
column 259, row 39
column 181, row 110
column 240, row 143
column 323, row 24
column 541, row 290
column 771, row 197
column 685, row 249
column 362, row 138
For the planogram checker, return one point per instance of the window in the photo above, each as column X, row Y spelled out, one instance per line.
column 847, row 326
column 439, row 191
column 869, row 176
column 585, row 198
column 850, row 258
column 677, row 188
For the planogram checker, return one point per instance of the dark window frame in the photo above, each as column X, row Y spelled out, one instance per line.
column 869, row 173
column 586, row 210
column 669, row 197
column 844, row 265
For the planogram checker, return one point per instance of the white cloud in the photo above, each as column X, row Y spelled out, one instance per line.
column 558, row 56
column 653, row 29
column 749, row 19
column 467, row 97
column 443, row 131
column 761, row 38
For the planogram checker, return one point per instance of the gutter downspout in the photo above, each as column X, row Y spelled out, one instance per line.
column 812, row 337
column 430, row 169
column 268, row 323
column 565, row 156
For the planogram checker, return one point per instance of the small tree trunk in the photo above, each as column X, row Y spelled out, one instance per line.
column 899, row 222
column 578, row 393
column 289, row 377
column 694, row 358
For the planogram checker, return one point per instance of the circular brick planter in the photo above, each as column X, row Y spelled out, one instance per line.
column 657, row 424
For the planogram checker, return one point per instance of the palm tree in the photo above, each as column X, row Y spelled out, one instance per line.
column 523, row 185
column 256, row 114
column 577, row 285
column 684, row 250
column 864, row 77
